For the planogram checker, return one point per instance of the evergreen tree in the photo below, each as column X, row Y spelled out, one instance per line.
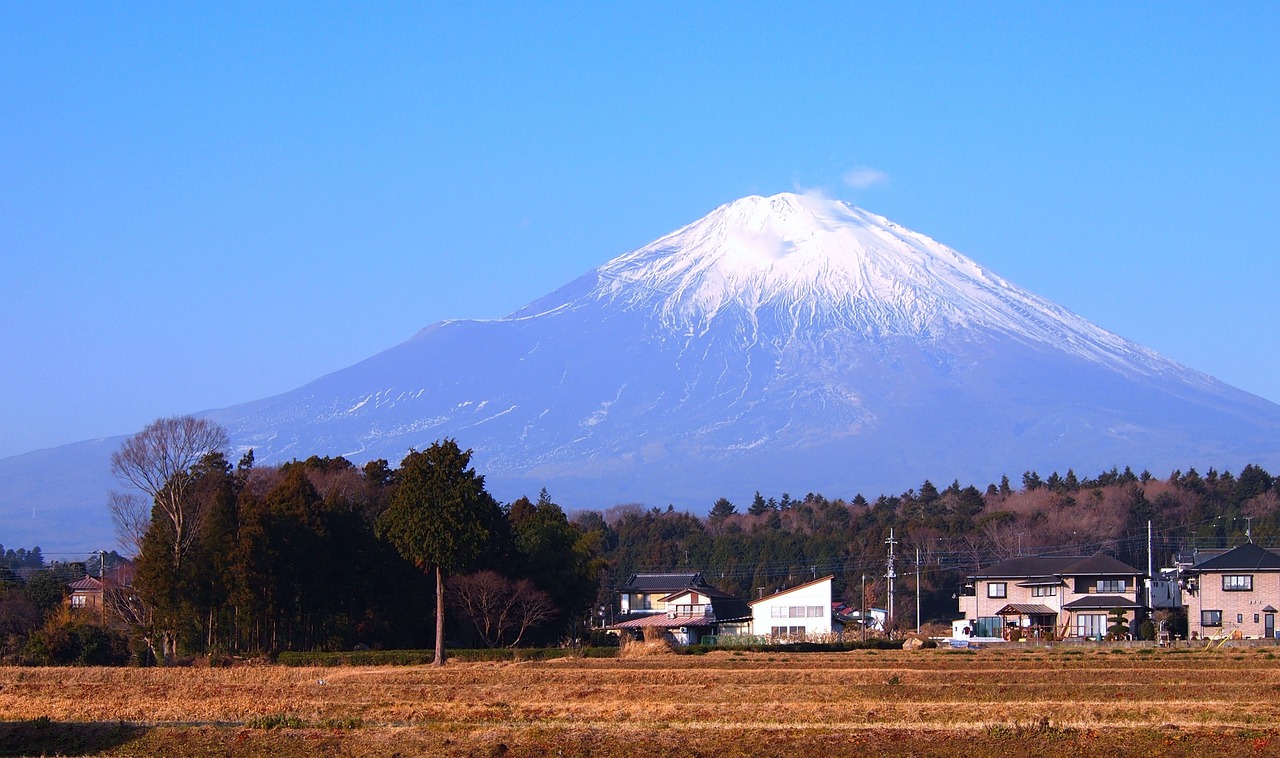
column 436, row 517
column 722, row 510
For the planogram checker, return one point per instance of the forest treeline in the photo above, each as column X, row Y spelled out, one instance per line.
column 293, row 557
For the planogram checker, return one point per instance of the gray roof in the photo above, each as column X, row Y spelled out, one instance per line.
column 1036, row 568
column 1024, row 567
column 1100, row 564
column 1101, row 603
column 1246, row 557
column 664, row 583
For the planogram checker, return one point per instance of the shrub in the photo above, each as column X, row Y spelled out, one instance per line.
column 74, row 639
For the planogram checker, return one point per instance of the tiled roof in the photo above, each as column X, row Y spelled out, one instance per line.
column 1246, row 557
column 85, row 584
column 1038, row 567
column 1099, row 564
column 1026, row 609
column 1042, row 581
column 1025, row 567
column 1101, row 603
column 666, row 583
column 664, row 621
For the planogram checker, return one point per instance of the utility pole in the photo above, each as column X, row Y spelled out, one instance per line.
column 1151, row 567
column 917, row 590
column 102, row 584
column 863, row 607
column 888, row 622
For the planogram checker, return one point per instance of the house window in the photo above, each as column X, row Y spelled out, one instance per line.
column 1210, row 618
column 1255, row 618
column 786, row 631
column 997, row 589
column 1237, row 583
column 988, row 626
column 1111, row 586
column 77, row 601
column 1091, row 624
column 1239, row 618
column 1043, row 591
column 795, row 611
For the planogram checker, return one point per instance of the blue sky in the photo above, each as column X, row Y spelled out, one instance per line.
column 203, row 205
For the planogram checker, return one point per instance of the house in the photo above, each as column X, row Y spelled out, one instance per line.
column 1233, row 593
column 87, row 592
column 1050, row 597
column 799, row 613
column 689, row 614
column 848, row 614
column 644, row 594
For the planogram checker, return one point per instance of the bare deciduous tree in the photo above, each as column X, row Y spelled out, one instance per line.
column 157, row 461
column 502, row 611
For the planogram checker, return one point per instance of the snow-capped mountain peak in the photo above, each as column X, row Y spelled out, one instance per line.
column 806, row 262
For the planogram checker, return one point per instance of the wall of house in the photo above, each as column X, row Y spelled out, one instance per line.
column 1240, row 610
column 782, row 611
column 984, row 605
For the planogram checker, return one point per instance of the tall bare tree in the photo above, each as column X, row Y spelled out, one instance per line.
column 157, row 462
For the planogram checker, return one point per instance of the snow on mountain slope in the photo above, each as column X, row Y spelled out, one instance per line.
column 790, row 343
column 772, row 325
column 828, row 265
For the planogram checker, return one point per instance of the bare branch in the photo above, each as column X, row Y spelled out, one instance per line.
column 158, row 460
column 131, row 515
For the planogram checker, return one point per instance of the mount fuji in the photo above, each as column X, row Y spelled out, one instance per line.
column 789, row 343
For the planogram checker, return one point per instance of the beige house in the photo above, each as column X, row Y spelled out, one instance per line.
column 1234, row 594
column 1049, row 597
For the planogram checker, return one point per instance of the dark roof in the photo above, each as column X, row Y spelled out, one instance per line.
column 1099, row 564
column 1042, row 581
column 1024, row 567
column 664, row 583
column 1246, row 557
column 1101, row 603
column 85, row 584
column 1039, row 567
column 730, row 608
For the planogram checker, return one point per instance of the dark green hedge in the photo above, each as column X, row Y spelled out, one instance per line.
column 420, row 657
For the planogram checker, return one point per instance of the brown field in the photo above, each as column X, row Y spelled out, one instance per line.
column 1058, row 702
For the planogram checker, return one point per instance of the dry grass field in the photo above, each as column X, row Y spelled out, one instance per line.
column 1059, row 702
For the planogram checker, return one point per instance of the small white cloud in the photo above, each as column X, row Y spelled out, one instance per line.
column 863, row 177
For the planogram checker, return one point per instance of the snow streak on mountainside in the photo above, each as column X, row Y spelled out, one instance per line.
column 784, row 344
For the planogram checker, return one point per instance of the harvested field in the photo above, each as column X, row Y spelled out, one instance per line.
column 931, row 702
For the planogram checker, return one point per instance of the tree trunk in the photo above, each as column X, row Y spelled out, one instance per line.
column 439, row 661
